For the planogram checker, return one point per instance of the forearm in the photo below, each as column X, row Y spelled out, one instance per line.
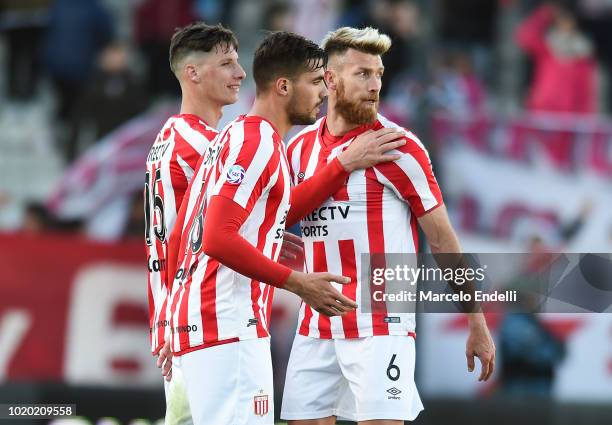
column 530, row 34
column 445, row 247
column 444, row 242
column 223, row 242
column 310, row 194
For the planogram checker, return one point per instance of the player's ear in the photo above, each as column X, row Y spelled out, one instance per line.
column 330, row 78
column 192, row 73
column 282, row 86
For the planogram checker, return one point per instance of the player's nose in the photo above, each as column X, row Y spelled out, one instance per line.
column 374, row 85
column 240, row 74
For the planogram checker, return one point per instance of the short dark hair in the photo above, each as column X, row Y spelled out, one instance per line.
column 199, row 37
column 284, row 53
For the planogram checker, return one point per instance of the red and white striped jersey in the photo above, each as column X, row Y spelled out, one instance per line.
column 374, row 212
column 171, row 165
column 210, row 303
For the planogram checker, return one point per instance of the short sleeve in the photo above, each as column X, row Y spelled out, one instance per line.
column 251, row 161
column 294, row 152
column 411, row 178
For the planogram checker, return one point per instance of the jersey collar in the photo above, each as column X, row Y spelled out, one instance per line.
column 351, row 134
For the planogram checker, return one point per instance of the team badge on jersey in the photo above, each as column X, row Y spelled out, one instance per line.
column 235, row 174
column 260, row 404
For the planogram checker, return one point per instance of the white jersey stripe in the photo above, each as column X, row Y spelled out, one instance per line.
column 195, row 139
column 417, row 176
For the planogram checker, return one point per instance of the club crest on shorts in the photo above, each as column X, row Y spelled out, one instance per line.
column 260, row 404
column 235, row 174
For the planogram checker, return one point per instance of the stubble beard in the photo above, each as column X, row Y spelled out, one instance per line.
column 297, row 117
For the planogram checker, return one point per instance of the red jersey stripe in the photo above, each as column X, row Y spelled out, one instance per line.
column 320, row 265
column 349, row 269
column 376, row 240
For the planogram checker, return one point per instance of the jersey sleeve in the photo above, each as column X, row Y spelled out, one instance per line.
column 251, row 161
column 294, row 152
column 192, row 139
column 411, row 177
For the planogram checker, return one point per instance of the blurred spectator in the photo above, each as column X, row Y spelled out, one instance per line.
column 214, row 11
column 314, row 18
column 468, row 22
column 354, row 13
column 470, row 25
column 564, row 77
column 36, row 219
column 155, row 22
column 529, row 352
column 78, row 29
column 23, row 22
column 399, row 20
column 278, row 16
column 402, row 26
column 456, row 88
column 529, row 355
column 112, row 97
column 596, row 16
column 545, row 234
column 135, row 225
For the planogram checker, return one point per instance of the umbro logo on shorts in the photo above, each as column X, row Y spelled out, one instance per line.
column 394, row 392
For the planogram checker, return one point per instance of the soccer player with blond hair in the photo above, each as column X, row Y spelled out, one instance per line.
column 360, row 366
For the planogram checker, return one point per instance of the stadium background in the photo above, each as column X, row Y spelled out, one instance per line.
column 85, row 86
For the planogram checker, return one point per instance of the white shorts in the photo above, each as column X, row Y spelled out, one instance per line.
column 354, row 379
column 177, row 405
column 230, row 384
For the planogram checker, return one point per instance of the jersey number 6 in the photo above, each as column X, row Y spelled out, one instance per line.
column 393, row 372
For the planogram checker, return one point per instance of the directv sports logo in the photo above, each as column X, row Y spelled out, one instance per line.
column 235, row 174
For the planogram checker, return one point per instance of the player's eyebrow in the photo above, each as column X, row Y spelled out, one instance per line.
column 371, row 69
column 317, row 79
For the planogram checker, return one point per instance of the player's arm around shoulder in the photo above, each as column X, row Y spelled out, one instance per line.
column 411, row 176
column 372, row 147
column 411, row 153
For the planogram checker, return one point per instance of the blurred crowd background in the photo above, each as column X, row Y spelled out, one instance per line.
column 511, row 97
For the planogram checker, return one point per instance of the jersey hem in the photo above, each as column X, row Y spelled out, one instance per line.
column 362, row 335
column 155, row 351
column 215, row 343
column 205, row 345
